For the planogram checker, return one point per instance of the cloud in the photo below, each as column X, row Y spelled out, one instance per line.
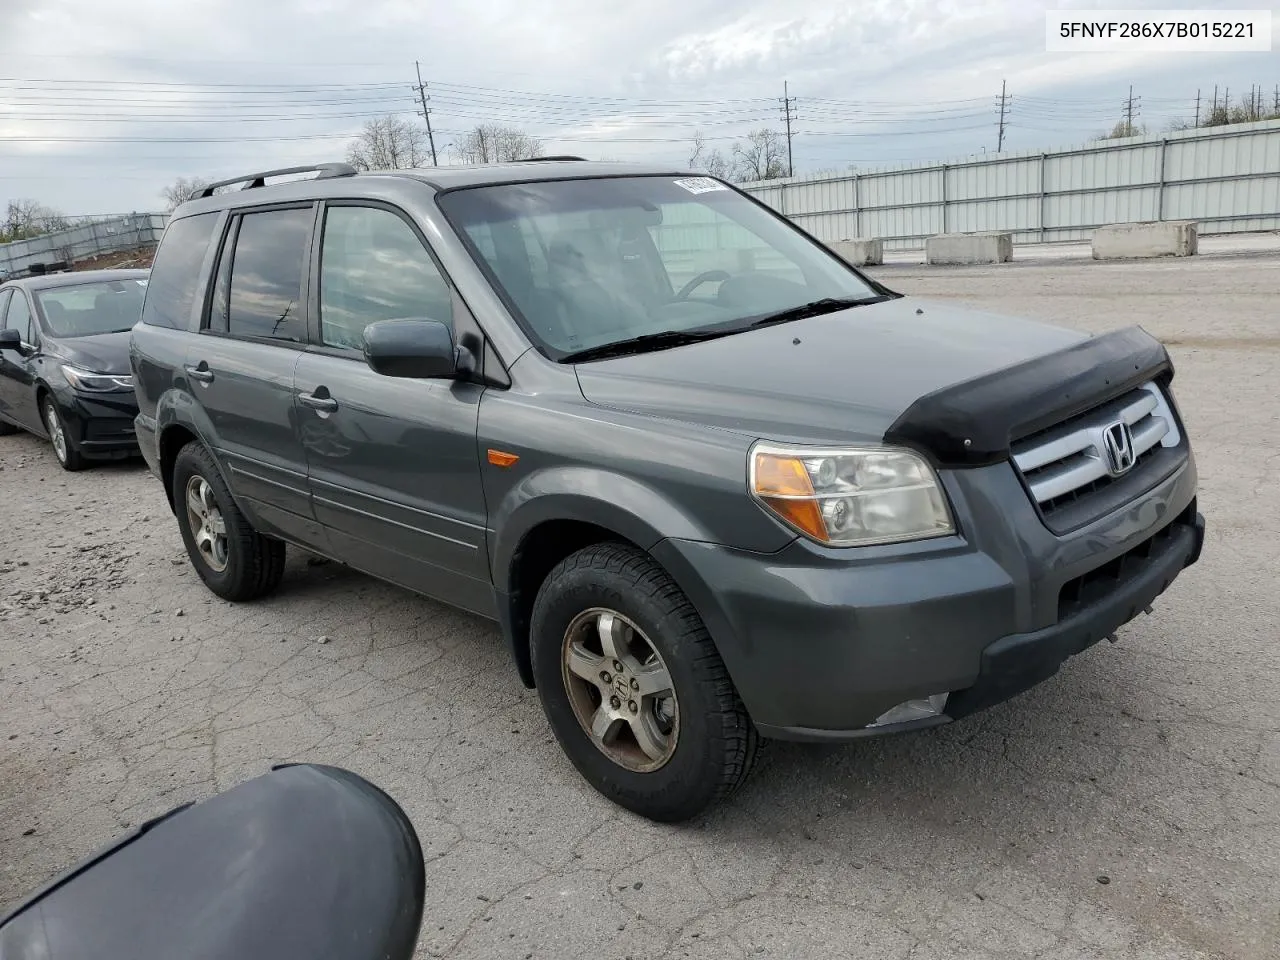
column 195, row 87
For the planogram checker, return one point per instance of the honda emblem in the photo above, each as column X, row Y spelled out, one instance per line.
column 1117, row 442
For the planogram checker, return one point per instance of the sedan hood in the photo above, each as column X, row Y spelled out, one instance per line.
column 839, row 378
column 100, row 353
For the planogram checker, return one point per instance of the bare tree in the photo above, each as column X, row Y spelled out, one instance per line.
column 389, row 143
column 25, row 219
column 492, row 143
column 709, row 160
column 762, row 156
column 1122, row 129
column 182, row 190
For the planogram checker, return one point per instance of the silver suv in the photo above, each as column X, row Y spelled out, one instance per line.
column 713, row 483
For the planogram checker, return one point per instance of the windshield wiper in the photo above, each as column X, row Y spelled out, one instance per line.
column 816, row 308
column 644, row 343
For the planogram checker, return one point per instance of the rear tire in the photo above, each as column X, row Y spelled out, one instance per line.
column 234, row 560
column 64, row 447
column 634, row 688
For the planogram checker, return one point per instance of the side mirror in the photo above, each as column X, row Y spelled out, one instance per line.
column 414, row 349
column 10, row 340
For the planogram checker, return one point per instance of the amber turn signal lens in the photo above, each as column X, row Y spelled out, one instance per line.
column 500, row 458
column 783, row 483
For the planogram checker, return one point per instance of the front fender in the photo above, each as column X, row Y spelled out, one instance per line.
column 629, row 507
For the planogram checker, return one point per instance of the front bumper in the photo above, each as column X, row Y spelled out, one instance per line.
column 821, row 643
column 101, row 426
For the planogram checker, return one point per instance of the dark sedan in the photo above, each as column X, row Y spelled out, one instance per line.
column 64, row 362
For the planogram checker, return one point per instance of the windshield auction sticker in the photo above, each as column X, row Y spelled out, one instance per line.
column 700, row 184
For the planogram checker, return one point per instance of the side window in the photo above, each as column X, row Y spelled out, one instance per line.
column 175, row 273
column 19, row 318
column 694, row 238
column 4, row 302
column 373, row 267
column 265, row 297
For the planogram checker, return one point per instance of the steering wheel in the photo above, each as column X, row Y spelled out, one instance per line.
column 707, row 276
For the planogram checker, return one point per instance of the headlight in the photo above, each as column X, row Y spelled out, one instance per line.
column 96, row 382
column 850, row 497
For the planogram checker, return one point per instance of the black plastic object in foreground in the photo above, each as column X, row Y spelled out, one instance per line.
column 973, row 423
column 304, row 863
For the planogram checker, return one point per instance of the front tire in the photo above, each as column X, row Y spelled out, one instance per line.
column 234, row 560
column 59, row 438
column 634, row 688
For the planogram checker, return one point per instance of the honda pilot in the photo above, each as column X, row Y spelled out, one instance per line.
column 713, row 483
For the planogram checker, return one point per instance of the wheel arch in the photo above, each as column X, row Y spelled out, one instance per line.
column 565, row 513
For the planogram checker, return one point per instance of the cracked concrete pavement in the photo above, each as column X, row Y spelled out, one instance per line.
column 1128, row 808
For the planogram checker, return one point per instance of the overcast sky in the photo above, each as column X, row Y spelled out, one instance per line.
column 103, row 102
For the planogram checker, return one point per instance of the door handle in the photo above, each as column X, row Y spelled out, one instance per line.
column 201, row 373
column 325, row 404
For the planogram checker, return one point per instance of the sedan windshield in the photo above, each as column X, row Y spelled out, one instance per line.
column 595, row 267
column 83, row 309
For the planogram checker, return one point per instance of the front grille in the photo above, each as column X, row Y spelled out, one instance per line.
column 1093, row 587
column 1067, row 466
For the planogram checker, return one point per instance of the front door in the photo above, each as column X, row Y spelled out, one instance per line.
column 393, row 463
column 18, row 367
column 241, row 368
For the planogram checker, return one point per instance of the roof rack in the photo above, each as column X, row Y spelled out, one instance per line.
column 549, row 159
column 323, row 171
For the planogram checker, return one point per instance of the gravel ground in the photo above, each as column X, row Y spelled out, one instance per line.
column 1128, row 808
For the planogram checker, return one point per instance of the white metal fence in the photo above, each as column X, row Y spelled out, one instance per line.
column 78, row 243
column 1227, row 179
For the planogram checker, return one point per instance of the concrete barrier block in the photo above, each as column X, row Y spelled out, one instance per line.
column 865, row 252
column 953, row 248
column 1126, row 241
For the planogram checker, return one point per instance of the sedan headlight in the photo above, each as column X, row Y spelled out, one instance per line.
column 850, row 496
column 96, row 382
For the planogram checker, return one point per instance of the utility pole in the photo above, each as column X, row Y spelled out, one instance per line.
column 1197, row 123
column 1003, row 99
column 426, row 114
column 1129, row 107
column 787, row 101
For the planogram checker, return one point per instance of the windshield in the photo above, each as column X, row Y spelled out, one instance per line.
column 104, row 306
column 586, row 263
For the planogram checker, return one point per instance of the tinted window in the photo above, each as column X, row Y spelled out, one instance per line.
column 88, row 308
column 374, row 267
column 19, row 318
column 175, row 273
column 266, row 275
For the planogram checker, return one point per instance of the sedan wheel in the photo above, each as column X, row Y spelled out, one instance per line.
column 68, row 456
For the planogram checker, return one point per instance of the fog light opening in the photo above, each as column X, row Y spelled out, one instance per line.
column 910, row 710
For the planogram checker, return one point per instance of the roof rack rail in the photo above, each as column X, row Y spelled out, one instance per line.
column 323, row 171
column 549, row 159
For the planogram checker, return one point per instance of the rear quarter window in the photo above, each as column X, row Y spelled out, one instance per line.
column 175, row 273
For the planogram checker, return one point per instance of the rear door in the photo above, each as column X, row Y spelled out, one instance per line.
column 18, row 367
column 393, row 463
column 241, row 366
